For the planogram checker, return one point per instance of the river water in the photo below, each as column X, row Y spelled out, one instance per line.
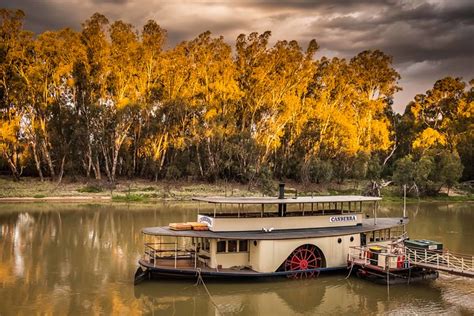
column 81, row 258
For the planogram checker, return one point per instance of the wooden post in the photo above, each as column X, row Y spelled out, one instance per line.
column 375, row 219
column 175, row 252
column 195, row 255
column 404, row 201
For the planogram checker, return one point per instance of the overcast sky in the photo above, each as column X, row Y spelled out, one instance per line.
column 427, row 39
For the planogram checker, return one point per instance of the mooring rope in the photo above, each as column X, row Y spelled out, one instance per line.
column 388, row 282
column 200, row 280
column 409, row 274
column 350, row 271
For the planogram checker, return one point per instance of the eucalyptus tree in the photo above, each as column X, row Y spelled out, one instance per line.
column 435, row 114
column 326, row 130
column 214, row 91
column 147, row 141
column 285, row 103
column 375, row 82
column 442, row 118
column 52, row 80
column 274, row 82
column 90, row 76
column 14, row 46
column 122, row 102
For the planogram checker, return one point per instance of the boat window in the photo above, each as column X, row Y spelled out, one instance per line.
column 243, row 245
column 380, row 235
column 232, row 246
column 221, row 246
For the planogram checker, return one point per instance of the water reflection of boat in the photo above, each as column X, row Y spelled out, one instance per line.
column 328, row 295
column 266, row 237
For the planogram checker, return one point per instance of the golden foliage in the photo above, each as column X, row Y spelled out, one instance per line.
column 429, row 138
column 112, row 95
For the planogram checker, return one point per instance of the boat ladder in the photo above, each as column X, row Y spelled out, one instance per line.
column 445, row 261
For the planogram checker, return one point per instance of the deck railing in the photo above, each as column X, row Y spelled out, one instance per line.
column 363, row 255
column 167, row 251
column 289, row 213
column 442, row 260
column 446, row 261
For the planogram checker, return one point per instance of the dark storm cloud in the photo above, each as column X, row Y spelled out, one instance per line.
column 110, row 1
column 321, row 6
column 428, row 39
column 425, row 32
column 44, row 15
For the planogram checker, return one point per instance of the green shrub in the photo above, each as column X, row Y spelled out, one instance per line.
column 129, row 197
column 265, row 181
column 320, row 171
column 90, row 189
column 173, row 173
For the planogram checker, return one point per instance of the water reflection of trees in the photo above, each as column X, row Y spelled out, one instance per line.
column 74, row 259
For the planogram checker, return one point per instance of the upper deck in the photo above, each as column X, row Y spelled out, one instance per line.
column 271, row 213
column 367, row 226
column 296, row 200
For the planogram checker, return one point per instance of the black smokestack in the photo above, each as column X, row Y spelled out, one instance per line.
column 281, row 191
column 281, row 196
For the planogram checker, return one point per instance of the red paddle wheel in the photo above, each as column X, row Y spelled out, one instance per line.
column 305, row 257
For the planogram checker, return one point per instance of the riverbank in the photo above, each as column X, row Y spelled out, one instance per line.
column 138, row 190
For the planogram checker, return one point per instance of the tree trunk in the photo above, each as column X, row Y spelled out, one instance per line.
column 49, row 161
column 96, row 168
column 11, row 164
column 61, row 169
column 114, row 162
column 198, row 154
column 143, row 168
column 212, row 162
column 88, row 163
column 37, row 161
column 106, row 161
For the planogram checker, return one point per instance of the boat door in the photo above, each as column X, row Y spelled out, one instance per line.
column 363, row 239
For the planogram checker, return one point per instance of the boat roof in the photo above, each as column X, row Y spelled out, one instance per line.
column 295, row 200
column 367, row 226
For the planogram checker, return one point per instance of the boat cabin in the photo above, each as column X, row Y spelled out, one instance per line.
column 269, row 213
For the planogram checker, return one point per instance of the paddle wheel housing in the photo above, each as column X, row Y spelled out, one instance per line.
column 306, row 257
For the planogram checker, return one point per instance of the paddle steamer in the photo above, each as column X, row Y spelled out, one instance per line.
column 252, row 237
